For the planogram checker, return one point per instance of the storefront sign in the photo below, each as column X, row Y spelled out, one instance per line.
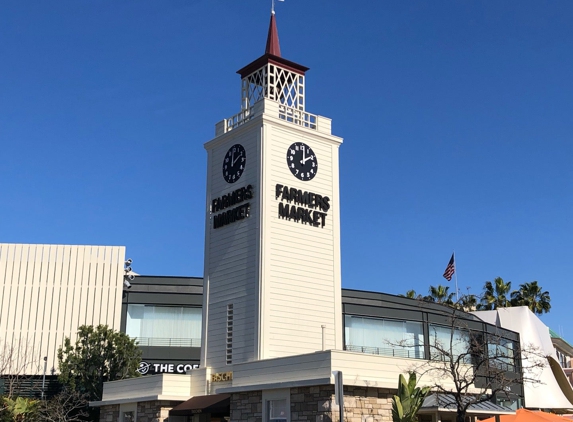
column 240, row 212
column 313, row 209
column 165, row 368
column 222, row 376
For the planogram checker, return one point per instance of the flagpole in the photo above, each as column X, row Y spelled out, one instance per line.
column 456, row 275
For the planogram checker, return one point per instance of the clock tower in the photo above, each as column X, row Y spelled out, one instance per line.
column 272, row 283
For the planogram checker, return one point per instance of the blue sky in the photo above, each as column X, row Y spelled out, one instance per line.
column 456, row 116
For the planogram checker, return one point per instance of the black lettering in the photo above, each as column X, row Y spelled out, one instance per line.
column 305, row 200
column 306, row 216
column 278, row 189
column 284, row 210
column 249, row 192
column 292, row 194
column 315, row 218
column 292, row 213
column 323, row 216
column 309, row 217
column 312, row 200
column 318, row 201
column 285, row 196
column 325, row 203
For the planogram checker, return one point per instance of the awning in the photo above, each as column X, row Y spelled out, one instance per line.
column 446, row 403
column 215, row 403
column 524, row 415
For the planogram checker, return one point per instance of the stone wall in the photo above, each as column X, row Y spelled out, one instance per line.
column 155, row 411
column 109, row 413
column 316, row 404
column 361, row 404
column 247, row 407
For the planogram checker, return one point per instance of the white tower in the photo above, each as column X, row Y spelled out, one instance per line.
column 272, row 242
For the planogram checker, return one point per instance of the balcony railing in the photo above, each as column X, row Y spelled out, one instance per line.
column 298, row 117
column 169, row 342
column 401, row 352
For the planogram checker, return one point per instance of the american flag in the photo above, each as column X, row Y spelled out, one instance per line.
column 450, row 269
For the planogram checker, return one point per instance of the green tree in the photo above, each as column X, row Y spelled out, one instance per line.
column 468, row 303
column 20, row 409
column 410, row 398
column 495, row 295
column 532, row 296
column 411, row 294
column 99, row 354
column 440, row 294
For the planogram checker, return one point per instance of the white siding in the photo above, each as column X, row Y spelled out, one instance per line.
column 232, row 258
column 48, row 291
column 148, row 386
column 282, row 277
column 358, row 369
column 302, row 263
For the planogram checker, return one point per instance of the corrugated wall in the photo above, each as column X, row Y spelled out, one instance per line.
column 48, row 291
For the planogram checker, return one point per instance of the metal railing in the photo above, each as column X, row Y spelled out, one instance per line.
column 169, row 342
column 298, row 117
column 401, row 352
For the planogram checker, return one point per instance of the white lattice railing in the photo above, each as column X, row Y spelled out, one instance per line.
column 237, row 120
column 298, row 117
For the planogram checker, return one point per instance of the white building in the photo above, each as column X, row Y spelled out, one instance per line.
column 48, row 291
column 553, row 390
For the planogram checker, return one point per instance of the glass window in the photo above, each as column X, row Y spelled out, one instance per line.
column 277, row 410
column 384, row 337
column 449, row 341
column 164, row 325
column 501, row 354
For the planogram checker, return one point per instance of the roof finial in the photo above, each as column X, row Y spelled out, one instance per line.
column 273, row 6
column 273, row 46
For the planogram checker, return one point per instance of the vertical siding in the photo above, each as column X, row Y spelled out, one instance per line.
column 48, row 291
column 231, row 269
column 282, row 277
column 302, row 263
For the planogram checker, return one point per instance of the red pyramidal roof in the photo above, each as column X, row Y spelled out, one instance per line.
column 273, row 46
column 272, row 54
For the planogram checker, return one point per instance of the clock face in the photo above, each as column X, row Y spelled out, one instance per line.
column 234, row 163
column 302, row 161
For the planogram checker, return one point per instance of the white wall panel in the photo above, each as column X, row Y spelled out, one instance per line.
column 302, row 270
column 48, row 291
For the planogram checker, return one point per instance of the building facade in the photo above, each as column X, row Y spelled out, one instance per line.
column 48, row 291
column 279, row 334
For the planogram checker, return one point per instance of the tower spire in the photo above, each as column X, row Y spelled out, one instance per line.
column 273, row 46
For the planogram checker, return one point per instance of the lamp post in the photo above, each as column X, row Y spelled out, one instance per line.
column 44, row 376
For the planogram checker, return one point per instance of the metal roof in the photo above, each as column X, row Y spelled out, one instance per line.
column 436, row 402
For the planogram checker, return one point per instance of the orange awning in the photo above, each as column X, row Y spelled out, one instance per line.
column 524, row 415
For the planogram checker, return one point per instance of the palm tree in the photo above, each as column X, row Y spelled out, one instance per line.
column 495, row 295
column 440, row 294
column 532, row 296
column 411, row 294
column 468, row 303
